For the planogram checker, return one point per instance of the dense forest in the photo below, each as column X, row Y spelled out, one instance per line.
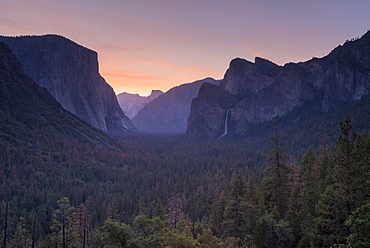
column 168, row 191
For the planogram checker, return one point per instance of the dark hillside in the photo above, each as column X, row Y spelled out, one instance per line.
column 26, row 109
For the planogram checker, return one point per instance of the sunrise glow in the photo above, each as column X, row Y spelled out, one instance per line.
column 145, row 45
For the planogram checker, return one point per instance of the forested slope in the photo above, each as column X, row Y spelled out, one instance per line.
column 63, row 183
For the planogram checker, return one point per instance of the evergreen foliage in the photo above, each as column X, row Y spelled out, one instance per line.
column 276, row 184
column 359, row 226
column 236, row 222
column 350, row 176
column 163, row 191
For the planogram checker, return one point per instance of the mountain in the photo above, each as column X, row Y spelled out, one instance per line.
column 262, row 91
column 29, row 113
column 169, row 112
column 70, row 73
column 131, row 104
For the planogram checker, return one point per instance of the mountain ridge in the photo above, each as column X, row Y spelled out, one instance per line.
column 342, row 76
column 26, row 109
column 169, row 112
column 70, row 72
column 131, row 104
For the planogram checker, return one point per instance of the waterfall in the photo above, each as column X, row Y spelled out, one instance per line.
column 227, row 117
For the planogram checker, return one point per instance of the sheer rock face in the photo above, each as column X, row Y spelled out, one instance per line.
column 131, row 104
column 208, row 112
column 169, row 112
column 70, row 73
column 262, row 90
column 244, row 77
column 27, row 108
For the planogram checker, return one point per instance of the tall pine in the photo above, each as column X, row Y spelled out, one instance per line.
column 348, row 191
column 276, row 185
column 236, row 221
column 64, row 223
column 309, row 195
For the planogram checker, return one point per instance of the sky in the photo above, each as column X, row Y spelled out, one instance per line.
column 159, row 44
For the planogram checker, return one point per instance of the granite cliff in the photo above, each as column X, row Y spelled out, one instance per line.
column 131, row 104
column 70, row 73
column 29, row 113
column 260, row 91
column 169, row 112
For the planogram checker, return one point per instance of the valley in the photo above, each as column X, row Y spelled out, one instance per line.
column 253, row 160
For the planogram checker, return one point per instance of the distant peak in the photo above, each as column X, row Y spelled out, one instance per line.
column 154, row 92
column 239, row 60
column 240, row 64
column 259, row 60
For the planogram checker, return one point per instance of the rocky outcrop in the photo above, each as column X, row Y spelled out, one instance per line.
column 28, row 110
column 131, row 104
column 70, row 73
column 244, row 77
column 170, row 111
column 262, row 90
column 208, row 111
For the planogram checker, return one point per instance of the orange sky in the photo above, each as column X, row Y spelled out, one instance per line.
column 145, row 44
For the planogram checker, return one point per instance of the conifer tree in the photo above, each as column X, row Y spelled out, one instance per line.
column 349, row 174
column 236, row 223
column 252, row 196
column 6, row 221
column 272, row 231
column 217, row 214
column 116, row 234
column 208, row 240
column 359, row 225
column 147, row 232
column 22, row 236
column 175, row 213
column 159, row 211
column 309, row 180
column 33, row 231
column 82, row 227
column 276, row 184
column 219, row 204
column 309, row 194
column 64, row 223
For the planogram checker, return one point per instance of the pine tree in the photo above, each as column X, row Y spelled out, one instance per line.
column 236, row 222
column 324, row 164
column 350, row 187
column 255, row 212
column 33, row 231
column 218, row 205
column 22, row 236
column 82, row 225
column 271, row 231
column 276, row 184
column 6, row 221
column 175, row 211
column 159, row 211
column 217, row 213
column 359, row 225
column 309, row 194
column 63, row 223
column 208, row 240
column 178, row 239
column 147, row 232
column 116, row 234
